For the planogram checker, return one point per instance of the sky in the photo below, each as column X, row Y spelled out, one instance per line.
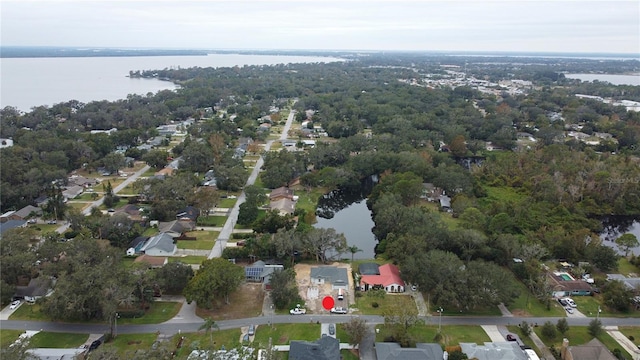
column 416, row 25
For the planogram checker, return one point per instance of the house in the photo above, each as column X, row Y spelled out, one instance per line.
column 445, row 203
column 132, row 211
column 503, row 350
column 9, row 215
column 11, row 224
column 167, row 171
column 325, row 348
column 281, row 193
column 631, row 283
column 176, row 228
column 388, row 279
column 72, row 191
column 593, row 350
column 337, row 277
column 284, row 206
column 188, row 213
column 369, row 269
column 28, row 212
column 42, row 200
column 153, row 262
column 36, row 289
column 565, row 285
column 259, row 271
column 82, row 181
column 159, row 245
column 135, row 246
column 422, row 351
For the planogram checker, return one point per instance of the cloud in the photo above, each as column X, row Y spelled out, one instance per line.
column 519, row 25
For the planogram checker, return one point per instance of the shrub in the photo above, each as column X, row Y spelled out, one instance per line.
column 549, row 330
column 525, row 328
column 374, row 304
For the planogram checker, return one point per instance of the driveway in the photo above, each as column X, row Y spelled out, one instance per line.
column 187, row 313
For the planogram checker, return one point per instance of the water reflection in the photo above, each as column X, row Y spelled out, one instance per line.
column 615, row 226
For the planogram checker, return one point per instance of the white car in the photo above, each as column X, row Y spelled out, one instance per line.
column 569, row 309
column 571, row 303
column 298, row 311
column 338, row 310
column 14, row 304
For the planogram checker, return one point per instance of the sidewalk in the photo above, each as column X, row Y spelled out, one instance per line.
column 624, row 342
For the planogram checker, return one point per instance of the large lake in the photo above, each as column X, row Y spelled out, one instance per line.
column 29, row 82
column 612, row 78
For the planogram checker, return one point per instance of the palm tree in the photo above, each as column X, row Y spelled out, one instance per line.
column 353, row 250
column 208, row 325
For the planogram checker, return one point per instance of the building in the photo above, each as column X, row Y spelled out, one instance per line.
column 281, row 193
column 422, row 351
column 283, row 206
column 259, row 271
column 387, row 279
column 36, row 289
column 159, row 245
column 325, row 348
column 504, row 350
column 11, row 224
column 593, row 350
column 337, row 277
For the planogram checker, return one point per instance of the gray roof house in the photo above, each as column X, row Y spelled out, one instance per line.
column 159, row 245
column 11, row 224
column 422, row 351
column 36, row 289
column 369, row 269
column 504, row 350
column 176, row 228
column 72, row 191
column 325, row 348
column 337, row 277
column 631, row 283
column 28, row 210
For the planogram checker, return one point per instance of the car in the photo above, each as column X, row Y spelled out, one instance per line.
column 14, row 304
column 111, row 210
column 569, row 309
column 563, row 302
column 414, row 288
column 94, row 345
column 332, row 329
column 51, row 222
column 571, row 303
column 245, row 338
column 252, row 330
column 338, row 310
column 511, row 337
column 298, row 311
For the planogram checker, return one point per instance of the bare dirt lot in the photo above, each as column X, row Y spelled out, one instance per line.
column 246, row 302
column 313, row 294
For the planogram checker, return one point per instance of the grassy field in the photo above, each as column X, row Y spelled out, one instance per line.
column 281, row 334
column 227, row 203
column 626, row 268
column 245, row 302
column 367, row 304
column 451, row 335
column 191, row 260
column 579, row 335
column 160, row 311
column 128, row 343
column 57, row 340
column 308, row 200
column 631, row 331
column 205, row 240
column 8, row 337
column 227, row 338
column 588, row 305
column 527, row 305
column 212, row 220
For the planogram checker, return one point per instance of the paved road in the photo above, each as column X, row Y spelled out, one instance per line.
column 227, row 229
column 170, row 327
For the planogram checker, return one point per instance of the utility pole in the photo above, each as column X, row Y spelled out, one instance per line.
column 440, row 321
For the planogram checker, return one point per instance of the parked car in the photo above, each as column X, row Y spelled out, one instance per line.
column 338, row 310
column 94, row 345
column 569, row 309
column 571, row 303
column 332, row 329
column 414, row 288
column 252, row 330
column 298, row 311
column 511, row 337
column 14, row 304
column 563, row 302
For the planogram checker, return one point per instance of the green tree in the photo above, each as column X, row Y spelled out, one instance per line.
column 562, row 325
column 616, row 295
column 156, row 158
column 318, row 241
column 356, row 330
column 525, row 328
column 353, row 249
column 248, row 213
column 548, row 330
column 401, row 319
column 208, row 326
column 595, row 328
column 113, row 162
column 627, row 242
column 284, row 290
column 216, row 278
column 173, row 277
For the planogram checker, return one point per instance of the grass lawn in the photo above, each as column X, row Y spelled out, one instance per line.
column 212, row 220
column 532, row 306
column 122, row 202
column 365, row 304
column 87, row 196
column 308, row 200
column 149, row 173
column 281, row 334
column 630, row 331
column 205, row 240
column 160, row 311
column 191, row 260
column 57, row 340
column 128, row 190
column 349, row 355
column 227, row 203
column 451, row 335
column 8, row 337
column 78, row 205
column 150, row 231
column 261, row 214
column 44, row 228
column 579, row 335
column 588, row 305
column 625, row 267
column 128, row 343
column 229, row 338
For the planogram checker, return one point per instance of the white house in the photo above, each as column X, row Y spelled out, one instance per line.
column 159, row 245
